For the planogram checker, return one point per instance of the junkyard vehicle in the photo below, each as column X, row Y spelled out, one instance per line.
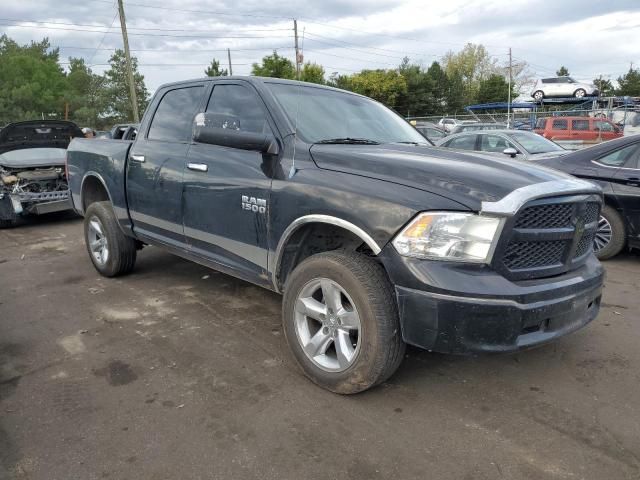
column 578, row 129
column 615, row 166
column 118, row 132
column 32, row 175
column 375, row 238
column 449, row 123
column 562, row 87
column 518, row 144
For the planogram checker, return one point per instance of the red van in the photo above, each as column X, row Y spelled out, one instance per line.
column 585, row 129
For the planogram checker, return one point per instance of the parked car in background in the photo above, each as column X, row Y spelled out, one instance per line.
column 578, row 130
column 448, row 123
column 103, row 134
column 32, row 168
column 118, row 131
column 615, row 166
column 431, row 131
column 562, row 87
column 518, row 144
column 474, row 127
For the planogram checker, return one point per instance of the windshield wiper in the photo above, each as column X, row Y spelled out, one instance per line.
column 417, row 144
column 349, row 141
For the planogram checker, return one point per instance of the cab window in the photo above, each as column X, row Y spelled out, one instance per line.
column 173, row 119
column 494, row 143
column 239, row 108
column 559, row 124
column 466, row 142
column 621, row 157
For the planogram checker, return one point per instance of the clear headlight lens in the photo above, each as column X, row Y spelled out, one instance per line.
column 457, row 236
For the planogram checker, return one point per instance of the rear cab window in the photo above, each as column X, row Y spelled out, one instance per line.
column 173, row 119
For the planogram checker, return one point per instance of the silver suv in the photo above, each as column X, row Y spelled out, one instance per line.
column 562, row 87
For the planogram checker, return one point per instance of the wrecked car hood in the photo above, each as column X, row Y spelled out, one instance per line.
column 50, row 134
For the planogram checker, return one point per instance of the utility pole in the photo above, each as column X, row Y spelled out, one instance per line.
column 295, row 33
column 509, row 95
column 229, row 57
column 132, row 86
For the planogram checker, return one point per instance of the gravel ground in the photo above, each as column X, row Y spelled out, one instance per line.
column 179, row 372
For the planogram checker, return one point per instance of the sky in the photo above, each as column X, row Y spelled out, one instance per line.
column 176, row 39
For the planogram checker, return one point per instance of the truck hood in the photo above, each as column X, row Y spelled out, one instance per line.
column 468, row 179
column 38, row 134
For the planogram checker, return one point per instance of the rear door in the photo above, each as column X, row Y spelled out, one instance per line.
column 581, row 129
column 627, row 188
column 604, row 129
column 156, row 163
column 559, row 129
column 226, row 190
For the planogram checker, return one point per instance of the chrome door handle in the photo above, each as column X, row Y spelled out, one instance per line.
column 198, row 167
column 137, row 158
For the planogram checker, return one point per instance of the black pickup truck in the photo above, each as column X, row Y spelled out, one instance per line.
column 375, row 238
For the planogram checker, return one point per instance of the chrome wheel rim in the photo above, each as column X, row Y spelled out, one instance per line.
column 603, row 234
column 97, row 241
column 538, row 95
column 580, row 94
column 327, row 325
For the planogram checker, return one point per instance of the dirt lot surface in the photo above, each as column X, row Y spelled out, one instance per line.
column 179, row 372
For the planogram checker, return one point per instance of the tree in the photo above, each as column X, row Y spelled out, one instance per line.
column 84, row 96
column 471, row 65
column 382, row 85
column 605, row 87
column 629, row 83
column 32, row 82
column 312, row 72
column 116, row 88
column 562, row 71
column 274, row 66
column 214, row 70
column 494, row 89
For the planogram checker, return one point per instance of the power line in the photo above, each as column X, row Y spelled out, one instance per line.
column 102, row 41
column 190, row 52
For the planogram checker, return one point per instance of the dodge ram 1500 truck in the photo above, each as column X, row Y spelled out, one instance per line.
column 375, row 238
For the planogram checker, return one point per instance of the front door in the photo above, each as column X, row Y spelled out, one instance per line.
column 226, row 190
column 627, row 189
column 156, row 163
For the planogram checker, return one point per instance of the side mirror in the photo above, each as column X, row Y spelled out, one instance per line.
column 512, row 152
column 224, row 130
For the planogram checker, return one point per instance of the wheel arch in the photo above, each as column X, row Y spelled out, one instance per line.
column 93, row 189
column 312, row 234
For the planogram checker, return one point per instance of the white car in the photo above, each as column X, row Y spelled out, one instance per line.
column 562, row 87
column 448, row 123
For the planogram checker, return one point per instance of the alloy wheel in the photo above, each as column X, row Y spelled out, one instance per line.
column 97, row 239
column 603, row 235
column 327, row 325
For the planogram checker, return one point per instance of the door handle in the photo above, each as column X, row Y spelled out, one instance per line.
column 137, row 158
column 198, row 167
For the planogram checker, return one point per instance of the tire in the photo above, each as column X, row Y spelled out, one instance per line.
column 580, row 93
column 538, row 95
column 101, row 230
column 373, row 348
column 611, row 218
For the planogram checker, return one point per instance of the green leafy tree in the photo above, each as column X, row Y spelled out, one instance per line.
column 629, row 83
column 562, row 71
column 214, row 70
column 85, row 98
column 274, row 66
column 470, row 66
column 454, row 101
column 312, row 72
column 32, row 83
column 494, row 89
column 605, row 87
column 382, row 85
column 116, row 89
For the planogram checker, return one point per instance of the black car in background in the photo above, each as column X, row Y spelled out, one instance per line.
column 615, row 166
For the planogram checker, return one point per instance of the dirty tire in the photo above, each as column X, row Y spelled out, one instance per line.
column 381, row 348
column 122, row 249
column 618, row 234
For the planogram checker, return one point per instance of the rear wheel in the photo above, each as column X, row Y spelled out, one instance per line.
column 580, row 93
column 111, row 251
column 341, row 322
column 538, row 95
column 610, row 236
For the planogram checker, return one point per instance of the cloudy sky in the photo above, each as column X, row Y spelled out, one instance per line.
column 176, row 39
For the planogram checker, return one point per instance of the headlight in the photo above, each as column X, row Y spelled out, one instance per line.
column 464, row 237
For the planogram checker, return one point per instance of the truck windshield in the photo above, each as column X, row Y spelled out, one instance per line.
column 330, row 116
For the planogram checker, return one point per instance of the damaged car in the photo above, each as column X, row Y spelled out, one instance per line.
column 33, row 180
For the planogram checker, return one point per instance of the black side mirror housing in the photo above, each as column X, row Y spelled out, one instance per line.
column 223, row 130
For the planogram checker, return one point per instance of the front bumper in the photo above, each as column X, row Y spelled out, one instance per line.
column 461, row 308
column 13, row 205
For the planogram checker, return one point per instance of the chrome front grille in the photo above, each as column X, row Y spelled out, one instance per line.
column 548, row 236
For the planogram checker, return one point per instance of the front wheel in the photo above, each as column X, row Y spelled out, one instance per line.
column 111, row 251
column 341, row 321
column 538, row 95
column 580, row 93
column 610, row 236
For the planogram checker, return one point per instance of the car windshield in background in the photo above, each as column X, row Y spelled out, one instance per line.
column 534, row 143
column 334, row 117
